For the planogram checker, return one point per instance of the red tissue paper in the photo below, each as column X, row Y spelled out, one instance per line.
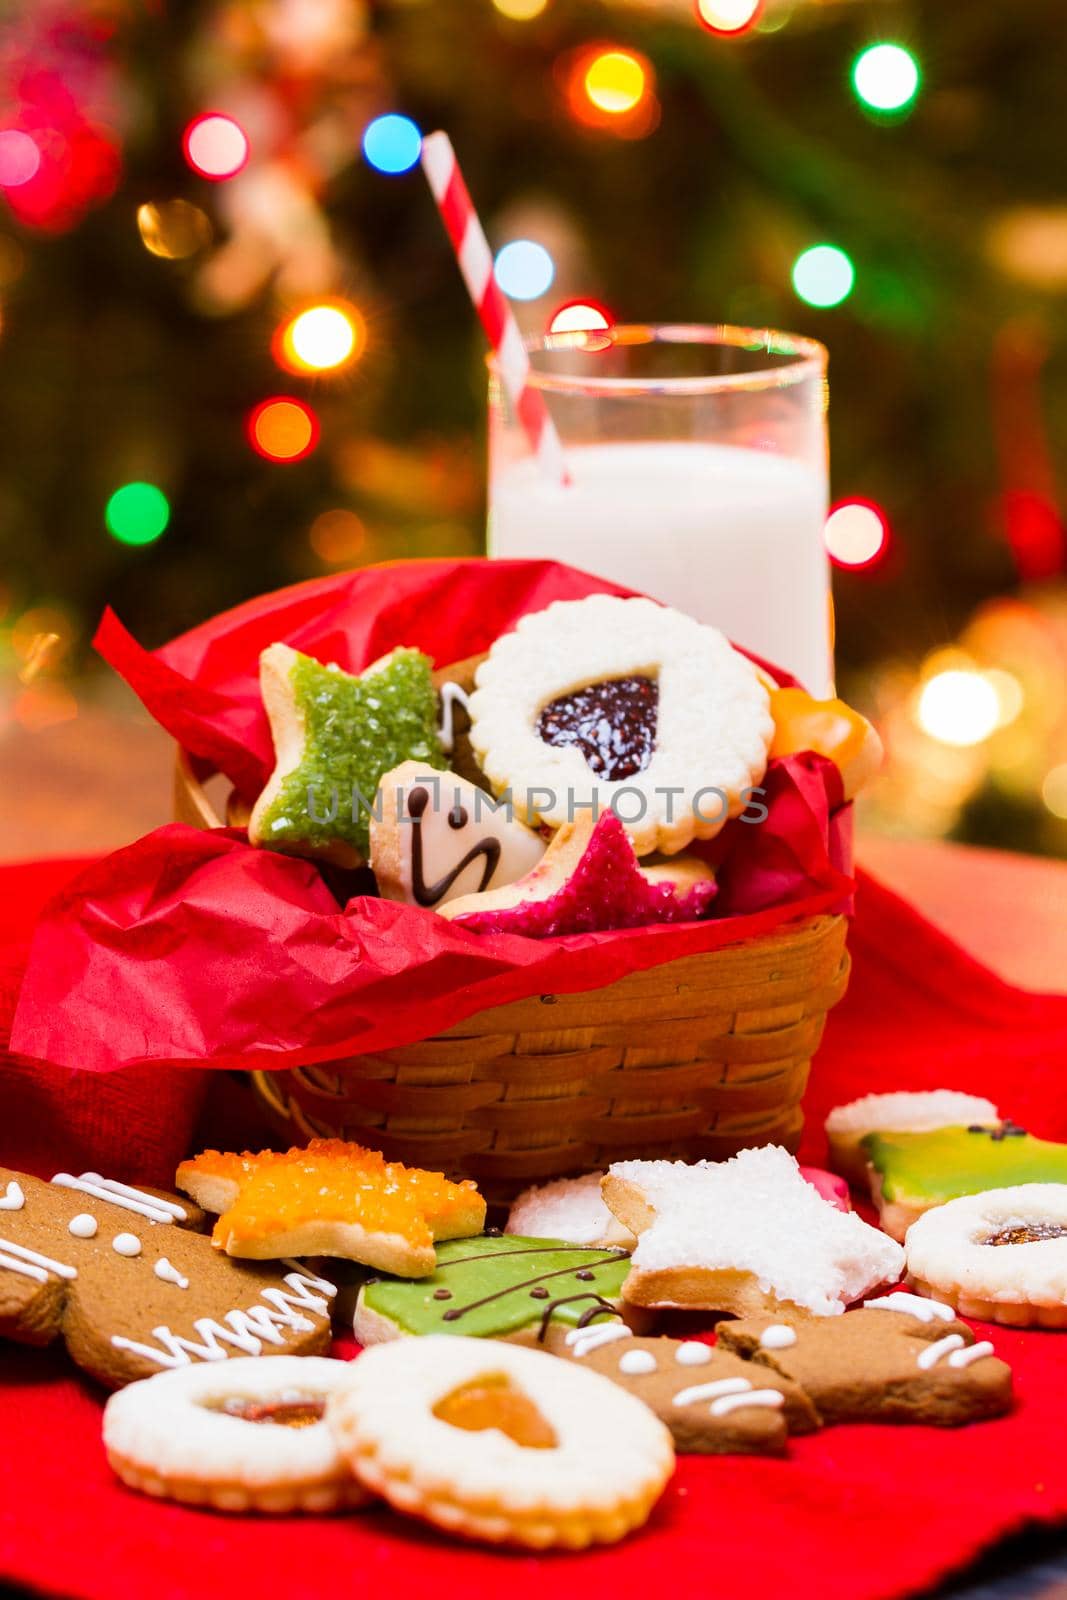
column 192, row 946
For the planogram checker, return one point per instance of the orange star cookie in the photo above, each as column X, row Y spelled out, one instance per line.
column 331, row 1199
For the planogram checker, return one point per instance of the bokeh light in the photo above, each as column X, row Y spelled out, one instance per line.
column 49, row 623
column 727, row 16
column 215, row 146
column 823, row 275
column 856, row 533
column 320, row 338
column 1054, row 791
column 886, row 77
column 338, row 537
column 958, row 707
column 20, row 159
column 1009, row 693
column 520, row 10
column 137, row 513
column 283, row 429
column 392, row 143
column 524, row 269
column 579, row 316
column 173, row 229
column 615, row 82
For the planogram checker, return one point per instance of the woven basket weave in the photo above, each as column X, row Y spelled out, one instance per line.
column 696, row 1057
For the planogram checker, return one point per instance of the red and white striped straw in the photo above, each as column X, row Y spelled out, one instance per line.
column 497, row 318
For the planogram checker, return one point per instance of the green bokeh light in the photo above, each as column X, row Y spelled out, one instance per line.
column 823, row 275
column 886, row 77
column 137, row 513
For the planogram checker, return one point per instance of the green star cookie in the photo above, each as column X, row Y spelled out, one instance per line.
column 913, row 1172
column 334, row 736
column 496, row 1287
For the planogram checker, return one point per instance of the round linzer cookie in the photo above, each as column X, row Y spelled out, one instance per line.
column 118, row 1274
column 492, row 1442
column 624, row 705
column 244, row 1436
column 1000, row 1256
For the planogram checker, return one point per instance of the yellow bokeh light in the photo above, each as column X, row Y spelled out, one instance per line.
column 337, row 537
column 1054, row 791
column 959, row 707
column 173, row 229
column 520, row 10
column 322, row 338
column 615, row 82
column 1009, row 693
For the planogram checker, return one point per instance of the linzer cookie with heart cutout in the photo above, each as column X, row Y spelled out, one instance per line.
column 117, row 1273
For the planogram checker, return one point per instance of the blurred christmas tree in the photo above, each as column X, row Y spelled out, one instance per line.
column 215, row 206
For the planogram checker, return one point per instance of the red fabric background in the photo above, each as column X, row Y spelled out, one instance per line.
column 857, row 1513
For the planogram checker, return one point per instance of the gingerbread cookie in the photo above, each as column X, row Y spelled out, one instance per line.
column 830, row 728
column 905, row 1111
column 335, row 734
column 912, row 1172
column 709, row 1398
column 117, row 1273
column 331, row 1199
column 589, row 879
column 1000, row 1255
column 568, row 1208
column 249, row 1436
column 496, row 1287
column 434, row 838
column 744, row 1235
column 455, row 685
column 879, row 1364
column 604, row 703
column 492, row 1442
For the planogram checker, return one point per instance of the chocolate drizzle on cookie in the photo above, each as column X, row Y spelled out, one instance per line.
column 428, row 894
column 612, row 723
column 1006, row 1130
column 533, row 1285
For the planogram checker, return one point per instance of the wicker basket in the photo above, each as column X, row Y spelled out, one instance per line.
column 697, row 1057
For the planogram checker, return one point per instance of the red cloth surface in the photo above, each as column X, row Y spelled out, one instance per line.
column 856, row 1513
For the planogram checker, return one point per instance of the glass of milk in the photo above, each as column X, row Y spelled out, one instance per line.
column 698, row 466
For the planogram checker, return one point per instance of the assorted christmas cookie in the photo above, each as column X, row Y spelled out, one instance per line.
column 713, row 1402
column 912, row 1172
column 331, row 1199
column 906, row 1111
column 434, row 837
column 119, row 1275
column 879, row 1364
column 568, row 1208
column 249, row 1436
column 497, row 1287
column 589, row 879
column 497, row 1443
column 742, row 1236
column 604, row 701
column 335, row 734
column 1000, row 1255
column 830, row 728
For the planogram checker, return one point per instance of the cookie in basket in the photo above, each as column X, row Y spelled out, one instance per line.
column 249, row 1436
column 910, row 1173
column 589, row 880
column 497, row 1443
column 605, row 701
column 713, row 1402
column 879, row 1364
column 830, row 728
column 331, row 1199
column 497, row 1287
column 118, row 1273
column 742, row 1236
column 335, row 734
column 904, row 1111
column 1000, row 1255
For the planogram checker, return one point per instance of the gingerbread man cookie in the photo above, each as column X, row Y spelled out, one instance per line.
column 119, row 1275
column 713, row 1402
column 880, row 1364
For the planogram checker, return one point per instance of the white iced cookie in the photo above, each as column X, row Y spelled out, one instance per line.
column 497, row 1442
column 1000, row 1256
column 241, row 1435
column 746, row 1235
column 434, row 837
column 905, row 1111
column 623, row 704
column 571, row 1209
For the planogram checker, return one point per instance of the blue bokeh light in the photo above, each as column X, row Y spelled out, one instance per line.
column 392, row 143
column 524, row 269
